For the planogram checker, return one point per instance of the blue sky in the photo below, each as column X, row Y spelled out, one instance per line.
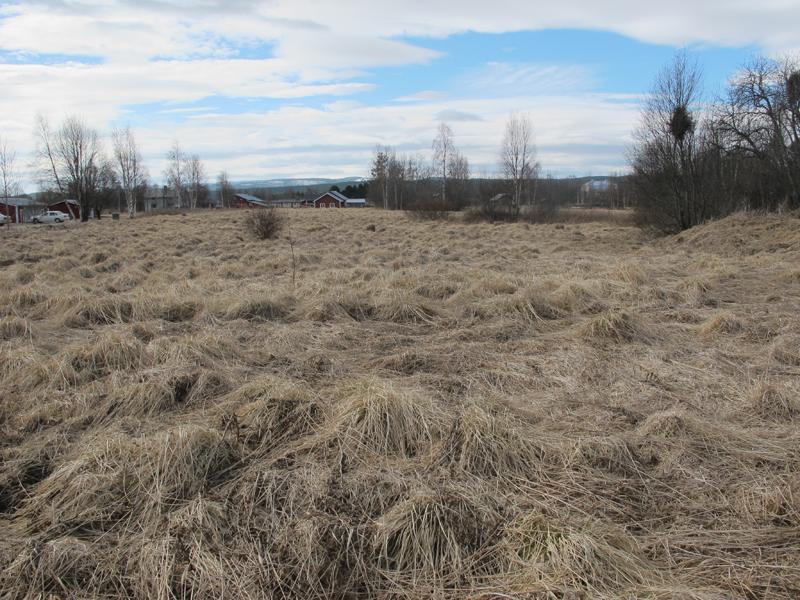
column 304, row 88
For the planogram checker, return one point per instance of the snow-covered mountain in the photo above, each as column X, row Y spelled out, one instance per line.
column 293, row 183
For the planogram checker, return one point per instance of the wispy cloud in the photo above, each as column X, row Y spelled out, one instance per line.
column 424, row 95
column 109, row 59
column 503, row 78
column 450, row 115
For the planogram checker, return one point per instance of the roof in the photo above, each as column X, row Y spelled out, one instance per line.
column 250, row 199
column 338, row 196
column 355, row 201
column 68, row 201
column 21, row 202
column 155, row 193
column 289, row 201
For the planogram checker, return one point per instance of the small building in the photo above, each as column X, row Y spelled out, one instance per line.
column 160, row 198
column 20, row 210
column 331, row 200
column 355, row 203
column 248, row 201
column 290, row 203
column 68, row 206
column 596, row 192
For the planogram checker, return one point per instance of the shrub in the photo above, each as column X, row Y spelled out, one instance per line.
column 264, row 224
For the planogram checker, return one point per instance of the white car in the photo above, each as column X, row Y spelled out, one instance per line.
column 3, row 219
column 51, row 216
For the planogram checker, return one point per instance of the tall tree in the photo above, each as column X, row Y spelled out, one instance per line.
column 130, row 170
column 70, row 159
column 443, row 149
column 379, row 189
column 175, row 173
column 396, row 175
column 46, row 156
column 225, row 190
column 195, row 179
column 666, row 151
column 518, row 157
column 458, row 174
column 760, row 119
column 9, row 181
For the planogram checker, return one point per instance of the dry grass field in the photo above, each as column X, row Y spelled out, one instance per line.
column 431, row 409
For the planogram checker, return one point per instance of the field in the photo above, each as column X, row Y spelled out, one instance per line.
column 406, row 409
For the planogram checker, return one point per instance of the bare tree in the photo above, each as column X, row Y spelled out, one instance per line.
column 458, row 175
column 103, row 186
column 666, row 151
column 443, row 149
column 9, row 181
column 70, row 159
column 225, row 190
column 760, row 121
column 130, row 171
column 195, row 178
column 396, row 173
column 379, row 188
column 518, row 157
column 175, row 173
column 46, row 156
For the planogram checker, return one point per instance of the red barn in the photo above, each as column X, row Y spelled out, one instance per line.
column 330, row 200
column 68, row 206
column 248, row 201
column 18, row 210
column 11, row 210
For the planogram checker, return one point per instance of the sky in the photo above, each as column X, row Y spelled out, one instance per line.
column 309, row 88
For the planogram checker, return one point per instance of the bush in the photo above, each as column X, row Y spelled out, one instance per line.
column 428, row 215
column 264, row 224
column 487, row 212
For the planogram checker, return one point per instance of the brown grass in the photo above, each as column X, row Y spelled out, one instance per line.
column 406, row 409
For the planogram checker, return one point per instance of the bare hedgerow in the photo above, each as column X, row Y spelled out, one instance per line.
column 264, row 224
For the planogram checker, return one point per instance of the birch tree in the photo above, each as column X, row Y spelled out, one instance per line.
column 69, row 159
column 130, row 171
column 443, row 149
column 225, row 190
column 380, row 175
column 195, row 177
column 760, row 118
column 9, row 182
column 175, row 173
column 518, row 157
column 665, row 156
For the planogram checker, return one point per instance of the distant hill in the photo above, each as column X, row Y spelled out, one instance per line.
column 292, row 183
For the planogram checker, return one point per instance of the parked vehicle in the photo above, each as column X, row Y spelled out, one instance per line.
column 3, row 219
column 51, row 216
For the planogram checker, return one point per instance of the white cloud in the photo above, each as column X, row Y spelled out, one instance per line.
column 420, row 96
column 573, row 135
column 178, row 51
column 450, row 115
column 360, row 31
column 527, row 78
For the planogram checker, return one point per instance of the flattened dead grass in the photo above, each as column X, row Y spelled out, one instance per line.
column 412, row 409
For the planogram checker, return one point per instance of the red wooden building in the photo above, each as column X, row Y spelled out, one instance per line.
column 248, row 201
column 69, row 206
column 19, row 210
column 330, row 200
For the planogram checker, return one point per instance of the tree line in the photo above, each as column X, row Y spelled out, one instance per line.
column 443, row 183
column 695, row 159
column 71, row 161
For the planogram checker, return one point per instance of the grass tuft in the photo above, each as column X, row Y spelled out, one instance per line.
column 613, row 326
